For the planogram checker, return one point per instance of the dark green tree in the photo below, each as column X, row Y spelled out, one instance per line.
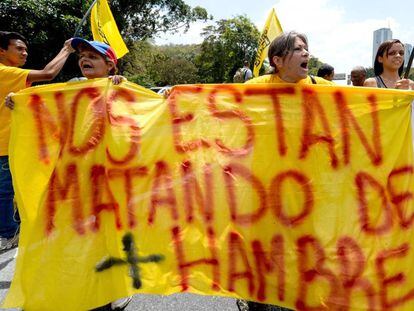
column 178, row 65
column 370, row 72
column 151, row 65
column 411, row 75
column 226, row 45
column 47, row 23
column 138, row 63
column 141, row 19
column 176, row 70
column 313, row 65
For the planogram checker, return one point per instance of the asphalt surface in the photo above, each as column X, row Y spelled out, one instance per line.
column 178, row 302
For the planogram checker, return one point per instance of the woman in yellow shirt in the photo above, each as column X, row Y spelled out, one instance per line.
column 289, row 56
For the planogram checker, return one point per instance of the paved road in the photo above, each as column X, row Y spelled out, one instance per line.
column 179, row 302
column 7, row 262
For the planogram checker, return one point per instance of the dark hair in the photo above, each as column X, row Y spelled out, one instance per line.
column 383, row 49
column 283, row 45
column 114, row 70
column 325, row 70
column 246, row 63
column 7, row 36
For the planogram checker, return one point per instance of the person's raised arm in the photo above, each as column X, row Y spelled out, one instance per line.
column 52, row 69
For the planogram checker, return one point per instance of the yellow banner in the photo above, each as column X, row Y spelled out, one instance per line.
column 295, row 196
column 104, row 28
column 270, row 31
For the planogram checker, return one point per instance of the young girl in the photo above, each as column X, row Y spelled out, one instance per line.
column 388, row 67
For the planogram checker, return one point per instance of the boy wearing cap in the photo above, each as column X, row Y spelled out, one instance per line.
column 96, row 59
column 13, row 54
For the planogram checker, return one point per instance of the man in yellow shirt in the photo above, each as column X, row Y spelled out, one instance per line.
column 13, row 54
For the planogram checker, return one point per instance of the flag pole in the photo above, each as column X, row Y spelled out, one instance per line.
column 410, row 62
column 84, row 19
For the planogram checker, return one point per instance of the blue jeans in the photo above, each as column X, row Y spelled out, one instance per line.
column 8, row 224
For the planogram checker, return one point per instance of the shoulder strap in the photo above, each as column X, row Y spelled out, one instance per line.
column 313, row 79
column 380, row 82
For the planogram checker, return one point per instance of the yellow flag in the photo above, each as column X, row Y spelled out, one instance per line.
column 271, row 30
column 104, row 28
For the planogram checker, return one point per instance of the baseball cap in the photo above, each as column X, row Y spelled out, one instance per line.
column 100, row 47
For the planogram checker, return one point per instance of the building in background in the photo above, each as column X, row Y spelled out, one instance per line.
column 380, row 35
column 408, row 49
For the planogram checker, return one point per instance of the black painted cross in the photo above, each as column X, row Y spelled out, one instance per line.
column 132, row 259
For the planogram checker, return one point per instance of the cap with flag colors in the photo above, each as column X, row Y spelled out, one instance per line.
column 271, row 30
column 104, row 28
column 100, row 47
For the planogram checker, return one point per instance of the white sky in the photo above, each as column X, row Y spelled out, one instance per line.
column 340, row 32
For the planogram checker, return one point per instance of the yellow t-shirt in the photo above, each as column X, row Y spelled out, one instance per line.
column 274, row 78
column 12, row 79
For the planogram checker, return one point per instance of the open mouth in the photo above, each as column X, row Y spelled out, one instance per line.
column 304, row 65
column 86, row 66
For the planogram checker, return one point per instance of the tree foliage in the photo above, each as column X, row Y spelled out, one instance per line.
column 226, row 45
column 47, row 23
column 178, row 65
column 151, row 65
column 313, row 65
column 138, row 63
column 370, row 72
column 141, row 19
column 411, row 74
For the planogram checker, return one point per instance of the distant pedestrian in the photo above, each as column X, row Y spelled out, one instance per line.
column 248, row 72
column 326, row 72
column 243, row 74
column 358, row 76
